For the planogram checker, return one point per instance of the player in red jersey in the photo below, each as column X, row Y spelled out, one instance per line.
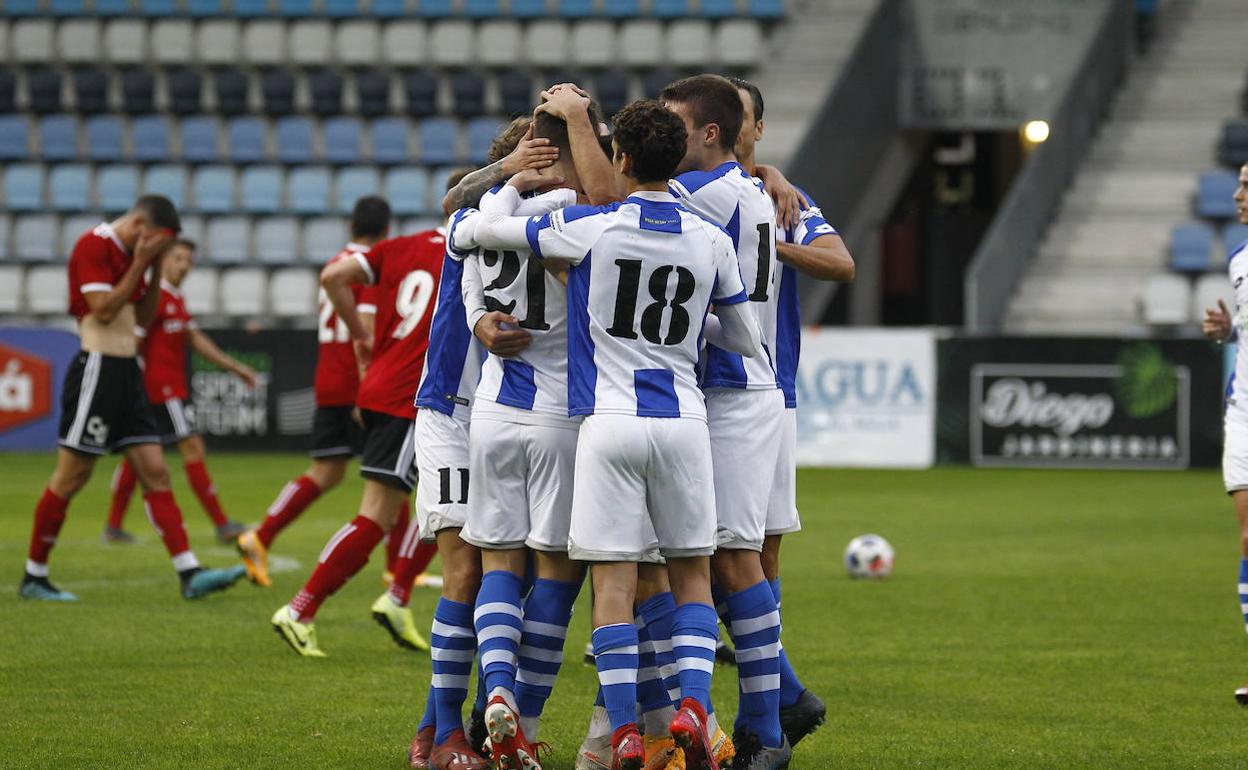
column 163, row 346
column 405, row 272
column 103, row 405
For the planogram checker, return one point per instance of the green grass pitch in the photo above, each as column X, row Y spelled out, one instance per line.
column 1036, row 619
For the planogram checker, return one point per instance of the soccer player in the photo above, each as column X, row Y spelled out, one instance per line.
column 163, row 349
column 635, row 311
column 104, row 406
column 336, row 432
column 814, row 247
column 1221, row 325
column 404, row 272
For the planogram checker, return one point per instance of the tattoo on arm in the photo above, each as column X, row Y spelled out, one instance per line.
column 470, row 189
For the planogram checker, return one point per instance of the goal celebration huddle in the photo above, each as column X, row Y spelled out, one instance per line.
column 590, row 370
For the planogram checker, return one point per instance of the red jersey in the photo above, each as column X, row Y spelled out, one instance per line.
column 404, row 272
column 97, row 263
column 337, row 375
column 164, row 347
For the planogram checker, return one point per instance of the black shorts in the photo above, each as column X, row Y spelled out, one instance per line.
column 335, row 433
column 175, row 419
column 389, row 455
column 104, row 406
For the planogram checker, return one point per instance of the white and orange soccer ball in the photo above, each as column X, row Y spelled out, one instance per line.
column 869, row 556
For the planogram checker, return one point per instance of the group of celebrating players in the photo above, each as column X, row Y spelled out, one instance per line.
column 602, row 344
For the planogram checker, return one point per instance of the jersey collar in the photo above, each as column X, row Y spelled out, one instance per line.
column 174, row 290
column 653, row 196
column 105, row 230
column 361, row 248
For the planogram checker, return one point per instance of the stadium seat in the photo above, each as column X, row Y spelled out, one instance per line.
column 172, row 41
column 356, row 42
column 69, row 187
column 23, row 186
column 468, row 89
column 47, row 286
column 185, row 88
column 1213, row 194
column 438, row 141
column 138, row 92
column 169, row 180
column 1167, row 299
column 389, row 140
column 116, row 187
column 245, row 138
column 294, row 139
column 434, row 9
column 212, row 189
column 104, row 138
column 229, row 240
column 390, row 9
column 6, row 237
column 688, row 42
column 1233, row 149
column 57, row 7
column 372, row 94
column 217, row 42
column 1191, row 246
column 498, row 43
column 125, row 41
column 482, row 9
column 78, row 41
column 199, row 289
column 157, row 7
column 407, row 189
column 405, row 43
column 310, row 42
column 641, row 43
column 323, row 237
column 204, row 9
column 1234, row 235
column 252, row 9
column 574, row 9
column 451, row 43
column 612, row 91
column 231, row 87
column 293, row 292
column 15, row 137
column 546, row 43
column 277, row 240
column 307, row 190
column 72, row 228
column 261, row 189
column 765, row 9
column 717, row 9
column 193, row 228
column 11, row 280
column 739, row 43
column 343, row 137
column 1210, row 288
column 652, row 82
column 481, row 133
column 516, row 92
column 353, row 183
column 264, row 42
column 669, row 9
column 112, row 8
column 593, row 44
column 243, row 291
column 21, row 7
column 90, row 91
column 149, row 135
column 199, row 139
column 35, row 238
column 278, row 88
column 342, row 9
column 58, row 137
column 43, row 91
column 326, row 88
column 32, row 41
column 421, row 92
column 8, row 91
column 294, row 8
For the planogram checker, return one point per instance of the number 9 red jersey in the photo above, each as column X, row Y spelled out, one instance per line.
column 405, row 273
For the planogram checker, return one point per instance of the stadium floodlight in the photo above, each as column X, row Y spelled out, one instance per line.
column 1036, row 131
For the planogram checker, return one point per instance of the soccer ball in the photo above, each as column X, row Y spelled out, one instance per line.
column 869, row 556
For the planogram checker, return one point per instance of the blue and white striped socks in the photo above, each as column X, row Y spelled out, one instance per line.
column 695, row 631
column 656, row 706
column 547, row 612
column 1243, row 589
column 498, row 622
column 657, row 612
column 430, row 717
column 756, row 633
column 791, row 688
column 615, row 654
column 454, row 646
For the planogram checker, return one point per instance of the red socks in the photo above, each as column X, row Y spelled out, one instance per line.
column 206, row 491
column 123, row 489
column 163, row 512
column 291, row 501
column 345, row 554
column 394, row 542
column 49, row 516
column 414, row 557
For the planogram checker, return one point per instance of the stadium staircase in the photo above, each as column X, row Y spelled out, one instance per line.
column 1113, row 230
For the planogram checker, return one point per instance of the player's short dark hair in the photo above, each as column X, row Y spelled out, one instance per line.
column 711, row 99
column 187, row 244
column 457, row 175
column 653, row 136
column 370, row 218
column 756, row 96
column 160, row 211
column 508, row 138
column 547, row 126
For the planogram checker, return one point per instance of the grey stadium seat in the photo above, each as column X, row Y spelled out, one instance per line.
column 689, row 42
column 32, row 41
column 1210, row 288
column 498, row 43
column 451, row 43
column 47, row 286
column 193, row 228
column 264, row 42
column 405, row 43
column 593, row 44
column 125, row 41
column 73, row 228
column 4, row 39
column 10, row 289
column 277, row 240
column 641, row 42
column 6, row 236
column 310, row 43
column 243, row 291
column 292, row 292
column 78, row 41
column 323, row 237
column 229, row 240
column 217, row 41
column 35, row 238
column 739, row 43
column 546, row 43
column 1167, row 299
column 200, row 291
column 356, row 43
column 172, row 41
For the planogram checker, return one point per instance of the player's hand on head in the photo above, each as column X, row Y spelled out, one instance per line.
column 568, row 87
column 493, row 332
column 531, row 152
column 562, row 102
column 533, row 178
column 152, row 245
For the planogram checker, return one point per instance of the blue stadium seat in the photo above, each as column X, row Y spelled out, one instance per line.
column 231, row 88
column 277, row 240
column 14, row 135
column 43, row 91
column 58, row 137
column 58, row 8
column 389, row 9
column 1190, row 247
column 1233, row 236
column 69, row 187
column 623, row 9
column 112, row 7
column 575, row 9
column 407, row 190
column 8, row 91
column 167, row 179
column 515, row 89
column 438, row 141
column 262, row 189
column 23, row 186
column 421, row 90
column 138, row 92
column 718, row 9
column 34, row 238
column 199, row 139
column 326, row 88
column 21, row 7
column 483, row 9
column 150, row 137
column 669, row 9
column 157, row 7
column 204, row 8
column 1233, row 149
column 342, row 140
column 437, row 187
column 212, row 189
column 251, row 8
column 307, row 190
column 185, row 88
column 294, row 140
column 765, row 9
column 278, row 89
column 389, row 140
column 341, row 9
column 1213, row 194
column 116, row 187
column 481, row 133
column 528, row 9
column 104, row 138
column 612, row 91
column 372, row 92
column 90, row 91
column 468, row 89
column 434, row 9
column 355, row 182
column 245, row 139
column 294, row 8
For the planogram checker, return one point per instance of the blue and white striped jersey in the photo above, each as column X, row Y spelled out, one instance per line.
column 644, row 273
column 810, row 226
column 1237, row 267
column 735, row 201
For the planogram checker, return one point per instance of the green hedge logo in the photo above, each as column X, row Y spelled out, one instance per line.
column 1148, row 385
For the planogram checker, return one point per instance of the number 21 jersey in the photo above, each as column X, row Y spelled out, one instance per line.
column 337, row 380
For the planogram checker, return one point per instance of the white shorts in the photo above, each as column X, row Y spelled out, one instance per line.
column 746, row 428
column 640, row 480
column 1235, row 450
column 522, row 475
column 782, row 516
column 442, row 462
